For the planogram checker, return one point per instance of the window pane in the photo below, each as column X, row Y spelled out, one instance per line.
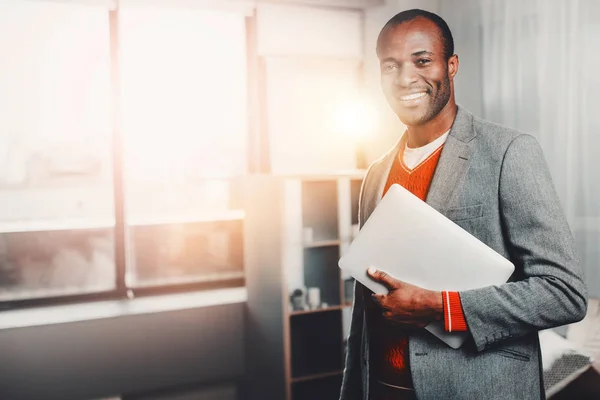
column 183, row 79
column 56, row 196
column 190, row 252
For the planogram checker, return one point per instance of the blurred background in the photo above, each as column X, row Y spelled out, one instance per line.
column 178, row 179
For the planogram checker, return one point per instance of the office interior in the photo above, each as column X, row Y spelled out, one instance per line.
column 178, row 179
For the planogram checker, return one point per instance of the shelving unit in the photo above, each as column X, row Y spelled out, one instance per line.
column 296, row 229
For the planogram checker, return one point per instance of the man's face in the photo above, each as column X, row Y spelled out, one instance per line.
column 416, row 78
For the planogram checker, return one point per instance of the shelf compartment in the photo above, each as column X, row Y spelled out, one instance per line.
column 321, row 270
column 319, row 199
column 316, row 343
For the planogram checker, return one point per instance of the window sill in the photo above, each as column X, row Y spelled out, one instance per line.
column 119, row 308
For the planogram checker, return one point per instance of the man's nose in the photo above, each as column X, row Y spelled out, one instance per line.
column 406, row 76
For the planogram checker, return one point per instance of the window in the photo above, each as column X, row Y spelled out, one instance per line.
column 181, row 79
column 183, row 74
column 57, row 208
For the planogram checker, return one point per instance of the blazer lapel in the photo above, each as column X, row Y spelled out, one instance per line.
column 449, row 174
column 453, row 163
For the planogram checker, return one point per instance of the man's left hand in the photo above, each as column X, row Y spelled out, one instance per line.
column 406, row 303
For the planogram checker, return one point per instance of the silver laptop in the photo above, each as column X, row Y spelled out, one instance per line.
column 413, row 242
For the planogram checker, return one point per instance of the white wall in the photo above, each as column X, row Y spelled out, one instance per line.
column 129, row 354
column 291, row 30
column 464, row 19
column 311, row 63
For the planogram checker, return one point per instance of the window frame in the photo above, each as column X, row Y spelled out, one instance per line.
column 121, row 291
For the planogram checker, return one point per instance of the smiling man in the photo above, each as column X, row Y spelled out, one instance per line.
column 494, row 183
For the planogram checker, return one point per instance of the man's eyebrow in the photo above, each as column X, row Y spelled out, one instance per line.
column 415, row 54
column 422, row 53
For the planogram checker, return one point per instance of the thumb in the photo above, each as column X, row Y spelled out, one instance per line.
column 385, row 279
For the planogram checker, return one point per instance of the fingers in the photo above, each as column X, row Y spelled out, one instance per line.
column 379, row 299
column 404, row 324
column 386, row 280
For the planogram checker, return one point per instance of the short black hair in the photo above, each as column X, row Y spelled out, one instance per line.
column 409, row 15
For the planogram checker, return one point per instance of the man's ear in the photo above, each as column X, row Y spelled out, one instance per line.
column 453, row 66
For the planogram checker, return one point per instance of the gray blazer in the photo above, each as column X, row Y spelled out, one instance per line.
column 494, row 183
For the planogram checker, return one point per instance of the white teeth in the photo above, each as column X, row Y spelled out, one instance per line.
column 412, row 96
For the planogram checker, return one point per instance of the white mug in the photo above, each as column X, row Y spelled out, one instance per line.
column 314, row 297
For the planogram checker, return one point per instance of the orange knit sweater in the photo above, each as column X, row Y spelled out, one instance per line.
column 389, row 343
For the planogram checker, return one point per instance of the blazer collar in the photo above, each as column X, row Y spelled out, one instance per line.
column 450, row 171
column 453, row 164
column 462, row 127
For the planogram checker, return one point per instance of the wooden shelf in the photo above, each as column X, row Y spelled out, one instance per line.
column 317, row 376
column 324, row 309
column 322, row 243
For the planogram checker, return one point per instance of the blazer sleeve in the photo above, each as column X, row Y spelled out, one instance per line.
column 551, row 292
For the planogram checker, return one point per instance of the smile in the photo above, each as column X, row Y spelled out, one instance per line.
column 413, row 96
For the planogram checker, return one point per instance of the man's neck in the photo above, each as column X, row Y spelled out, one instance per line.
column 422, row 135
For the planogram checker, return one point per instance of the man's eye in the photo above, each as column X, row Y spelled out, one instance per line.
column 389, row 67
column 423, row 61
